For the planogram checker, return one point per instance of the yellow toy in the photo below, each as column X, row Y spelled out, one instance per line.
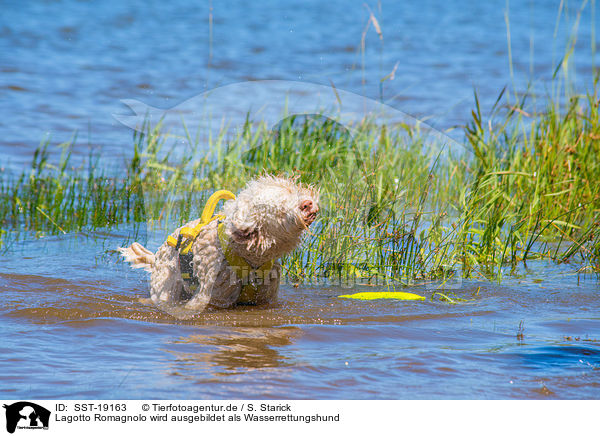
column 383, row 295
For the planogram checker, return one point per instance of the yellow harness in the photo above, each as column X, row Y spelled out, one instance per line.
column 245, row 272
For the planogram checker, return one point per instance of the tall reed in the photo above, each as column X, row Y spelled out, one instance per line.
column 392, row 210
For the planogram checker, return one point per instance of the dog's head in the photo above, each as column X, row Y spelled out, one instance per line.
column 270, row 214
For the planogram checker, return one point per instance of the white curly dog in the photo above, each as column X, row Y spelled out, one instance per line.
column 232, row 260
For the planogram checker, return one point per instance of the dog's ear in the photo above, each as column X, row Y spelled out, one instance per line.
column 244, row 235
column 252, row 237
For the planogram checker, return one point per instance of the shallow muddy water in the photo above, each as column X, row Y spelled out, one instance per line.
column 75, row 326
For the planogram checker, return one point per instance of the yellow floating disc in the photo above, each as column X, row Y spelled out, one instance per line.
column 379, row 295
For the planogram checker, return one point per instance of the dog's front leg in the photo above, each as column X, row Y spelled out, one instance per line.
column 269, row 287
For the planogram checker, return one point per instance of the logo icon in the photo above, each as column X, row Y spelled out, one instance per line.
column 26, row 415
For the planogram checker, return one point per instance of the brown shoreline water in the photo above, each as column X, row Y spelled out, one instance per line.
column 75, row 325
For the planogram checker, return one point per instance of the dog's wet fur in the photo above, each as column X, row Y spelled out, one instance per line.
column 266, row 220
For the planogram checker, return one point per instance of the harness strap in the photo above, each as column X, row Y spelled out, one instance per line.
column 187, row 236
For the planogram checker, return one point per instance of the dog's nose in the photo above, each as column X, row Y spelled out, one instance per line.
column 309, row 211
column 308, row 206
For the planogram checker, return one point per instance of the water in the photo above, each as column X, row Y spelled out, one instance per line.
column 65, row 66
column 75, row 325
column 72, row 316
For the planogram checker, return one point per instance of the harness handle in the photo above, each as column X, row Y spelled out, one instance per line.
column 191, row 233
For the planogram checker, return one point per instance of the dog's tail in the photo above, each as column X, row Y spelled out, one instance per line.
column 138, row 256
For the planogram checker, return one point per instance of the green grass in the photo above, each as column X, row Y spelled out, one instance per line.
column 51, row 199
column 525, row 188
